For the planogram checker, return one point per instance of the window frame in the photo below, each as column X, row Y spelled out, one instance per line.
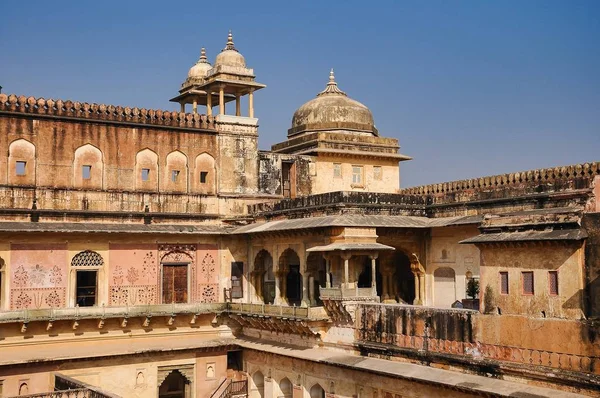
column 523, row 292
column 337, row 170
column 377, row 173
column 360, row 184
column 550, row 292
column 146, row 174
column 503, row 274
column 203, row 177
column 175, row 175
column 84, row 168
column 18, row 172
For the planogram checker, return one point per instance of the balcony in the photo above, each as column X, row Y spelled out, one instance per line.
column 348, row 294
column 67, row 387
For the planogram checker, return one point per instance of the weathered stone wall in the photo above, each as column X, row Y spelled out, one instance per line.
column 567, row 259
column 591, row 223
column 270, row 173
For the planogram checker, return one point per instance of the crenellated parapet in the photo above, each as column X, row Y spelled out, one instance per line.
column 103, row 113
column 531, row 178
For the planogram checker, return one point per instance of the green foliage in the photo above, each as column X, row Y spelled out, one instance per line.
column 473, row 288
column 489, row 301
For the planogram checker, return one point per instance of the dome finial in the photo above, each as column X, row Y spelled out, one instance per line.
column 332, row 87
column 203, row 56
column 230, row 45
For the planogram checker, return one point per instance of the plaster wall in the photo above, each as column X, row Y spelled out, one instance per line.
column 326, row 181
column 567, row 260
column 444, row 251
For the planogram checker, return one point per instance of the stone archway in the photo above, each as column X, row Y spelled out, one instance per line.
column 175, row 385
column 317, row 277
column 263, row 277
column 287, row 390
column 398, row 278
column 291, row 278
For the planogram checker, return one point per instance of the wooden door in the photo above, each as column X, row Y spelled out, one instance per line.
column 175, row 283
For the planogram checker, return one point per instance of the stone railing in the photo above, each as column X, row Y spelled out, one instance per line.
column 342, row 293
column 269, row 309
column 78, row 313
column 105, row 113
column 530, row 177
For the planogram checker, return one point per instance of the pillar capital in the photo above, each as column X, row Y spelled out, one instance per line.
column 346, row 255
column 374, row 256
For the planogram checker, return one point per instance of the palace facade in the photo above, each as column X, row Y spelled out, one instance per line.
column 150, row 253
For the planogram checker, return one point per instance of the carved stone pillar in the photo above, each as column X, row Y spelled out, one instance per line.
column 251, row 103
column 305, row 298
column 311, row 290
column 374, row 273
column 238, row 102
column 327, row 270
column 277, row 300
column 209, row 103
column 346, row 257
column 221, row 100
column 195, row 106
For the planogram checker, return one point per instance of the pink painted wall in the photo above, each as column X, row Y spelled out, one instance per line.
column 134, row 274
column 208, row 274
column 39, row 274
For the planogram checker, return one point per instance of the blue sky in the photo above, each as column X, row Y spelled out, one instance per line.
column 470, row 88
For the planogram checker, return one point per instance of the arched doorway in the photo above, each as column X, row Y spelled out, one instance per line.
column 287, row 390
column 317, row 391
column 444, row 287
column 258, row 388
column 405, row 279
column 365, row 278
column 289, row 265
column 175, row 386
column 264, row 277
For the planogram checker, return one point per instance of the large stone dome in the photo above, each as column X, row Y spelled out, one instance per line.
column 333, row 110
column 230, row 56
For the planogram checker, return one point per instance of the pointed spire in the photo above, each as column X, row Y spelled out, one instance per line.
column 203, row 59
column 332, row 87
column 229, row 45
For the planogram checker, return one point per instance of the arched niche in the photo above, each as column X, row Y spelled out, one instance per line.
column 444, row 287
column 316, row 391
column 21, row 163
column 286, row 387
column 146, row 170
column 175, row 385
column 88, row 167
column 205, row 174
column 175, row 176
column 257, row 389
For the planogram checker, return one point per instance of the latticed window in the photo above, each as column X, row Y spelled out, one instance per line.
column 337, row 170
column 357, row 175
column 527, row 282
column 87, row 258
column 553, row 282
column 504, row 282
column 237, row 271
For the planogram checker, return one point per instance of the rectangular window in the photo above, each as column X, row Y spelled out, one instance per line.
column 86, row 172
column 357, row 175
column 527, row 278
column 145, row 174
column 237, row 271
column 553, row 283
column 337, row 170
column 174, row 175
column 503, row 282
column 20, row 168
column 86, row 289
column 203, row 177
column 377, row 173
column 175, row 283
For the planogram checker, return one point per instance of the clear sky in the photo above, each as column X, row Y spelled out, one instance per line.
column 470, row 88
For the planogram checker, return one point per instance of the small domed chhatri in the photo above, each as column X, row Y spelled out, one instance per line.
column 333, row 110
column 230, row 56
column 199, row 70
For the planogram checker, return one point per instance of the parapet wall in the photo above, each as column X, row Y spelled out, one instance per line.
column 580, row 174
column 103, row 113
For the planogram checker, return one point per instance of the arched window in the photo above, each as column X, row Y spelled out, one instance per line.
column 205, row 174
column 146, row 170
column 176, row 172
column 258, row 388
column 21, row 163
column 88, row 167
column 317, row 391
column 289, row 263
column 86, row 264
